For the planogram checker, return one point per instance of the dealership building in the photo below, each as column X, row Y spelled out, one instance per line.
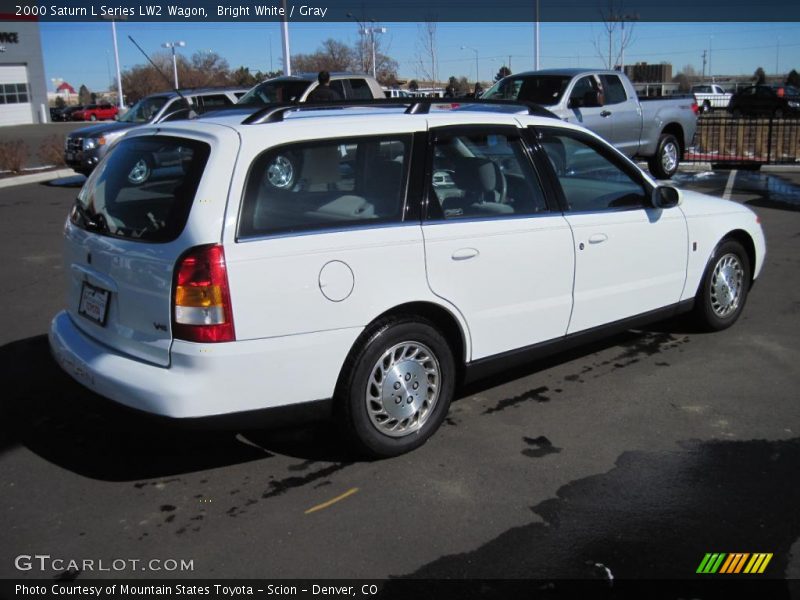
column 23, row 92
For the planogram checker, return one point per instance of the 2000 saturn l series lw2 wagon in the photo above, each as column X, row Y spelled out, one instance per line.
column 365, row 259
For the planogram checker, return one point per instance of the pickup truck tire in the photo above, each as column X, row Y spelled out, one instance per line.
column 664, row 163
column 396, row 386
column 706, row 106
column 723, row 290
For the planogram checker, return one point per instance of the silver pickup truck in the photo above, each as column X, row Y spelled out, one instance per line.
column 658, row 129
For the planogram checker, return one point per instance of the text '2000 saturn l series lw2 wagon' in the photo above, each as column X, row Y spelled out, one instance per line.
column 362, row 261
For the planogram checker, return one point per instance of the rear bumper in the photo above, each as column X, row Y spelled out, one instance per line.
column 207, row 380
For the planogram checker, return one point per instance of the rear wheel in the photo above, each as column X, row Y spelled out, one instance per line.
column 397, row 386
column 664, row 163
column 724, row 288
column 706, row 106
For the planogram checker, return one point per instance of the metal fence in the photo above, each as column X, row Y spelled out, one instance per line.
column 745, row 140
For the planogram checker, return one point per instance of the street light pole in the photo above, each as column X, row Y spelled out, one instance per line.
column 363, row 31
column 174, row 45
column 477, row 71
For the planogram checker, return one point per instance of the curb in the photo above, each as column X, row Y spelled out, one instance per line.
column 36, row 177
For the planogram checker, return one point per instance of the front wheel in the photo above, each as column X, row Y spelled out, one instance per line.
column 724, row 288
column 397, row 386
column 664, row 163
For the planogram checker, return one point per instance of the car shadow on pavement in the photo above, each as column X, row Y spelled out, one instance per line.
column 51, row 415
column 649, row 340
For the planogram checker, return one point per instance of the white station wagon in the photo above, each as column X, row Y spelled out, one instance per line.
column 360, row 262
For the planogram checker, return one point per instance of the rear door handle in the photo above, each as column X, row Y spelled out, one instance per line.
column 465, row 254
column 598, row 238
column 605, row 113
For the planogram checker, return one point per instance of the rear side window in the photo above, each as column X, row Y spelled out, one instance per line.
column 143, row 190
column 214, row 100
column 614, row 89
column 360, row 89
column 326, row 184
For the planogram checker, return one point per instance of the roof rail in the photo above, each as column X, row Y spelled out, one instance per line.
column 273, row 113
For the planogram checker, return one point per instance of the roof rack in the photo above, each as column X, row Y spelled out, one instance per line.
column 274, row 113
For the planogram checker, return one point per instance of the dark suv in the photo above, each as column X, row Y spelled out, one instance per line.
column 776, row 101
column 83, row 148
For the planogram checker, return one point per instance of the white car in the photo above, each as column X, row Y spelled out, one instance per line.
column 362, row 262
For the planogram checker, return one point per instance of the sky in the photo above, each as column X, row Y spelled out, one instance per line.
column 82, row 53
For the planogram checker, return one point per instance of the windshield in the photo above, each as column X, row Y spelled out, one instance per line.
column 275, row 91
column 539, row 89
column 143, row 190
column 144, row 110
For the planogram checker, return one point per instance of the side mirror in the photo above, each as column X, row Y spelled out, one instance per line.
column 665, row 196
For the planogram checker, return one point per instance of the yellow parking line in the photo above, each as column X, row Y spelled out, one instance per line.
column 349, row 492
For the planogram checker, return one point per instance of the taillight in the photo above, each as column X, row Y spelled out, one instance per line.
column 202, row 301
column 695, row 108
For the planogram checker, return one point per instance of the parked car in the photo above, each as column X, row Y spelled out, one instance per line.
column 656, row 129
column 710, row 96
column 83, row 148
column 95, row 112
column 296, row 88
column 297, row 262
column 65, row 114
column 765, row 100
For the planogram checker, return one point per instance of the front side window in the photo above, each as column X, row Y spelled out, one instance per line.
column 275, row 91
column 143, row 190
column 477, row 175
column 587, row 91
column 326, row 184
column 591, row 178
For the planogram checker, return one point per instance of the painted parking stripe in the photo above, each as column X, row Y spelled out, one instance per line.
column 332, row 501
column 729, row 185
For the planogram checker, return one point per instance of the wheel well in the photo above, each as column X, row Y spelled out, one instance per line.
column 746, row 241
column 677, row 131
column 442, row 318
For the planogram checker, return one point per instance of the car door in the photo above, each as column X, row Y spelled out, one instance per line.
column 624, row 113
column 585, row 111
column 494, row 248
column 630, row 257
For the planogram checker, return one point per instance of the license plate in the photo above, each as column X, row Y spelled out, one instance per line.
column 94, row 303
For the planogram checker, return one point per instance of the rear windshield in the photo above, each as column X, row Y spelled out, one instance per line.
column 539, row 89
column 275, row 91
column 143, row 190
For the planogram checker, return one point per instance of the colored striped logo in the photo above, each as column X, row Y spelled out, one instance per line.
column 737, row 562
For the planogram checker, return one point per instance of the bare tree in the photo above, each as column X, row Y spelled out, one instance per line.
column 331, row 56
column 427, row 59
column 614, row 20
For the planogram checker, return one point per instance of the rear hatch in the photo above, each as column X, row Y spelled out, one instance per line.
column 122, row 242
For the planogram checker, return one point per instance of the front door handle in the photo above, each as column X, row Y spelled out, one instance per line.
column 598, row 238
column 605, row 113
column 465, row 254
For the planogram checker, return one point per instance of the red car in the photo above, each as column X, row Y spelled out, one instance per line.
column 96, row 112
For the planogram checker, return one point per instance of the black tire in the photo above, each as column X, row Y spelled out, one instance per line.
column 710, row 296
column 737, row 113
column 360, row 371
column 664, row 163
column 778, row 114
column 706, row 106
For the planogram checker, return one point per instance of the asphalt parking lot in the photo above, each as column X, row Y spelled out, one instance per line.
column 631, row 458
